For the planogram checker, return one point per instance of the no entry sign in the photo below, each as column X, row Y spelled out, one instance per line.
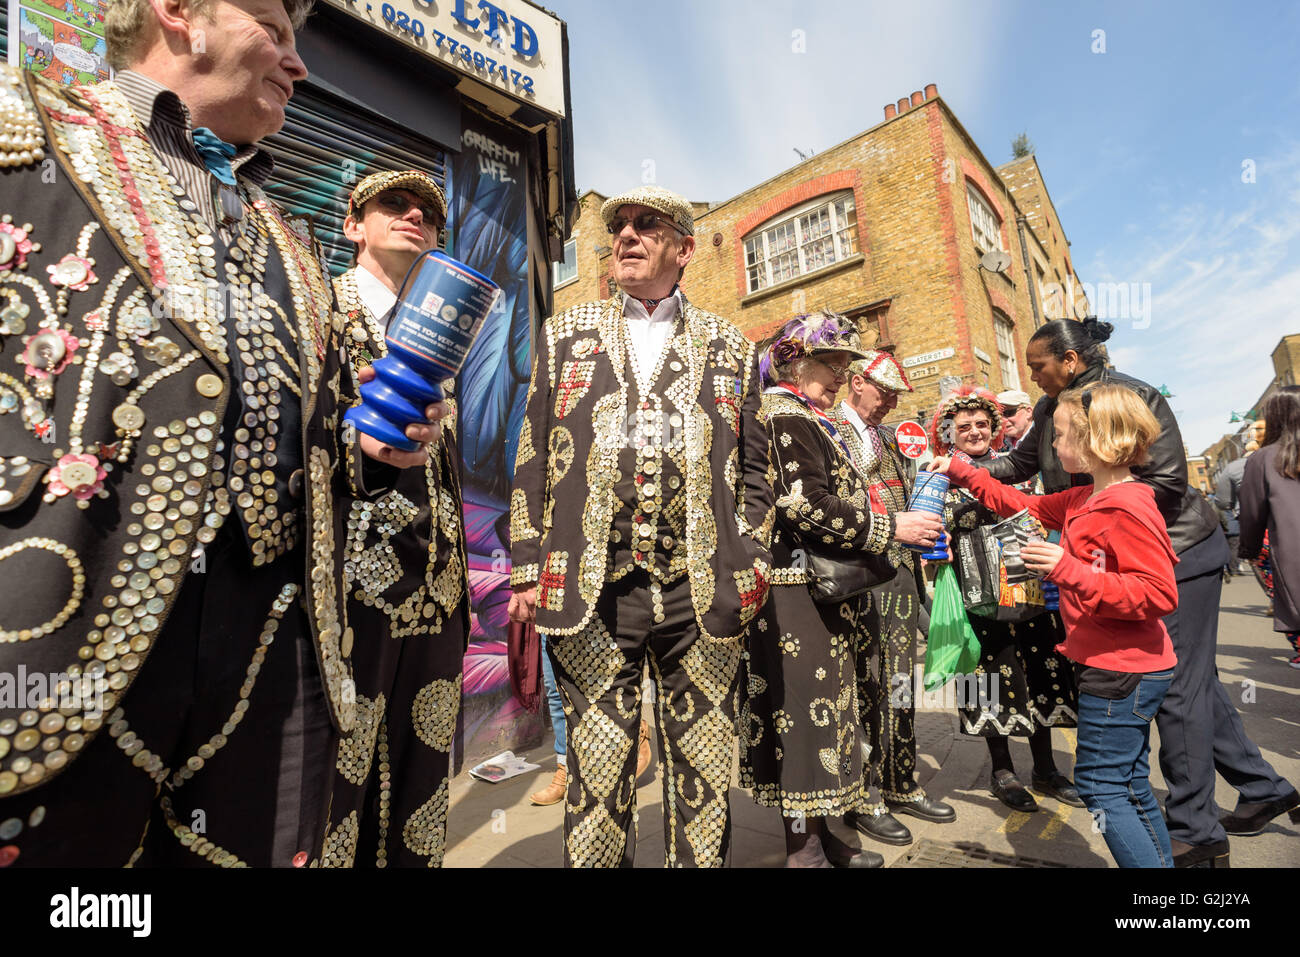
column 911, row 440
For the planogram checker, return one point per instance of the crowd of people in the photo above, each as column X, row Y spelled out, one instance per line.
column 795, row 594
column 186, row 516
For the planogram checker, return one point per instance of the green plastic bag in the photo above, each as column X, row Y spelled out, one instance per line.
column 952, row 647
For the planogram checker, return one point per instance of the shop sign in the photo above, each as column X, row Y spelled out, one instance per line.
column 511, row 46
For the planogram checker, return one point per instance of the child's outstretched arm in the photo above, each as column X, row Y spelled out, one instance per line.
column 1007, row 500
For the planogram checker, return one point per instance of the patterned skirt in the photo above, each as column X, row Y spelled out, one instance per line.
column 1023, row 682
column 800, row 739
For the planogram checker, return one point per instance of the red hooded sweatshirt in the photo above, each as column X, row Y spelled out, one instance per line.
column 1116, row 576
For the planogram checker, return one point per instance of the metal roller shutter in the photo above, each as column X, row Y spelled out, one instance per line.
column 326, row 147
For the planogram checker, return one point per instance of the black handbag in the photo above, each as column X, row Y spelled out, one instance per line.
column 832, row 580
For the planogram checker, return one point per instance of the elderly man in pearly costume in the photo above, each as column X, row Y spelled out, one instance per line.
column 640, row 522
column 172, row 548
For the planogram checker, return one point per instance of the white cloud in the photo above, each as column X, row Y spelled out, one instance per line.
column 727, row 100
column 1225, row 278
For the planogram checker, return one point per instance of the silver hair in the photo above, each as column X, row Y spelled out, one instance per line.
column 125, row 23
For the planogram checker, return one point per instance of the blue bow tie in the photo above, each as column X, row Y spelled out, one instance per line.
column 216, row 154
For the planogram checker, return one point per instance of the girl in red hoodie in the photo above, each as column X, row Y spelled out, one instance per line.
column 1115, row 570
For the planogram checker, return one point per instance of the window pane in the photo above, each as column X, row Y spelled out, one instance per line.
column 785, row 266
column 820, row 253
column 568, row 269
column 848, row 243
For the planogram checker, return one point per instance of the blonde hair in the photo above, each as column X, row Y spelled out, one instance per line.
column 126, row 24
column 1115, row 428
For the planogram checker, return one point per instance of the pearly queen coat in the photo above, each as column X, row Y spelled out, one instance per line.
column 100, row 512
column 564, row 502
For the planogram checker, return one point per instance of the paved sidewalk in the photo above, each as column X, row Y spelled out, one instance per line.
column 493, row 825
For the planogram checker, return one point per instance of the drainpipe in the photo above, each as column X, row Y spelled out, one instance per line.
column 1029, row 271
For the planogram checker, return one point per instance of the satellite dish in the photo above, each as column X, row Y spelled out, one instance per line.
column 995, row 260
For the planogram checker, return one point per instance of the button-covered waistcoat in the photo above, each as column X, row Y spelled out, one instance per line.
column 578, row 462
column 405, row 551
column 886, row 476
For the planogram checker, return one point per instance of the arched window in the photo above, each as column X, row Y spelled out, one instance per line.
column 801, row 241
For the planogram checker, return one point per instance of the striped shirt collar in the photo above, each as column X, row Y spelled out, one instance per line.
column 156, row 106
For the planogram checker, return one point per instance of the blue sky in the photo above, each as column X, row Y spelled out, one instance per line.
column 1141, row 146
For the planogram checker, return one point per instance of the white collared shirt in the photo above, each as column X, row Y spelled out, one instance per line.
column 649, row 332
column 855, row 420
column 376, row 297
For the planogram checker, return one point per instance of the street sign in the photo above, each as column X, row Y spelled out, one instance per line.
column 923, row 357
column 911, row 440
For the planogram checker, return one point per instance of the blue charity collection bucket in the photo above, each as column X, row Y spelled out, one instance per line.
column 439, row 314
column 928, row 495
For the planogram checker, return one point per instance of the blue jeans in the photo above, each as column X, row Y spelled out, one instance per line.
column 553, row 700
column 1111, row 771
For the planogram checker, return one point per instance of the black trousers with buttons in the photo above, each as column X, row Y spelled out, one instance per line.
column 599, row 672
column 257, row 785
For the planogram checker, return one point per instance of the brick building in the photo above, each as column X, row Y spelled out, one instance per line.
column 1197, row 476
column 892, row 227
column 1286, row 371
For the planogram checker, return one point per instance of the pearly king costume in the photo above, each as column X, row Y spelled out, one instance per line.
column 170, row 455
column 642, row 511
column 408, row 603
column 887, row 654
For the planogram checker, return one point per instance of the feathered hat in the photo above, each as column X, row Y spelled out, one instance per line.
column 964, row 397
column 808, row 335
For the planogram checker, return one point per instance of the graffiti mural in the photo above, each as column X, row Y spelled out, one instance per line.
column 489, row 231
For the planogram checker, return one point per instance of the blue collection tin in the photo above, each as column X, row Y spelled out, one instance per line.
column 928, row 495
column 439, row 314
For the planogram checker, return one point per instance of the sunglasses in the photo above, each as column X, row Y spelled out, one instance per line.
column 642, row 223
column 397, row 204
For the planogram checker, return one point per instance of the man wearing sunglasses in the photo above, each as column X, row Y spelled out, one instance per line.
column 640, row 526
column 1017, row 416
column 405, row 575
column 886, row 662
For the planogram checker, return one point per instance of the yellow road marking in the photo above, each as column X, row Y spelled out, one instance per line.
column 1056, row 821
column 1015, row 822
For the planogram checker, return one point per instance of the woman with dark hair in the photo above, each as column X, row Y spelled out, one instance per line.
column 801, row 738
column 1200, row 730
column 1270, row 502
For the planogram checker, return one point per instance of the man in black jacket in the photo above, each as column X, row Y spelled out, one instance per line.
column 1197, row 709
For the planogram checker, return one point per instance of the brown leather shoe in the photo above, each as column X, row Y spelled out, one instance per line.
column 643, row 750
column 553, row 793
